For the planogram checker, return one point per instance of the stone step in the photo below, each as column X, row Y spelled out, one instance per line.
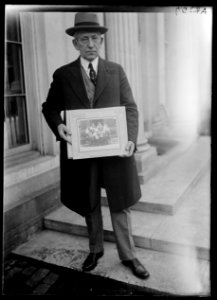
column 172, row 274
column 164, row 192
column 150, row 231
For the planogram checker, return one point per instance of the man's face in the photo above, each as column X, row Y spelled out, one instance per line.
column 88, row 43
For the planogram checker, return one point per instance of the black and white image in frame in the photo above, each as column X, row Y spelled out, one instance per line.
column 98, row 133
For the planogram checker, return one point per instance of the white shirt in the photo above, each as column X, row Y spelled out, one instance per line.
column 85, row 64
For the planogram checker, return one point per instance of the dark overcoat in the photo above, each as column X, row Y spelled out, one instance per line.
column 81, row 179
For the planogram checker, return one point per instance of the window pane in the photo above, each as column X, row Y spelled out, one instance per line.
column 15, row 122
column 12, row 27
column 14, row 74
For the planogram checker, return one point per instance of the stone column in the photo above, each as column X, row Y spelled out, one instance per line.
column 148, row 43
column 182, row 89
column 122, row 46
column 152, row 49
column 161, row 58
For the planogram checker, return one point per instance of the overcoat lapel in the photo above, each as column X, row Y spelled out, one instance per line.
column 77, row 83
column 102, row 79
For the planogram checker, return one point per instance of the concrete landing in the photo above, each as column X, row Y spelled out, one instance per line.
column 178, row 275
column 164, row 192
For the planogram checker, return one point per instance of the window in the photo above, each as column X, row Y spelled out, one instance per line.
column 16, row 131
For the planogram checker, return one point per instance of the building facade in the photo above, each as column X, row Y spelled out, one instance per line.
column 167, row 59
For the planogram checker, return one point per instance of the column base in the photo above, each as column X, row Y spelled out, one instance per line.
column 146, row 158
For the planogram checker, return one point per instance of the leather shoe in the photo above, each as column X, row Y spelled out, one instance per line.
column 91, row 261
column 137, row 268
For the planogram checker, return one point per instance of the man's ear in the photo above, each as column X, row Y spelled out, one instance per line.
column 102, row 39
column 75, row 43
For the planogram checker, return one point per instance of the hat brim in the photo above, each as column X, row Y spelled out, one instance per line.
column 72, row 30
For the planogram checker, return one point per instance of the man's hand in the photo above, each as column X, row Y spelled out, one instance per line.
column 129, row 149
column 64, row 133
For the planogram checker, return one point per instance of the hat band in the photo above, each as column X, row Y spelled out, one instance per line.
column 87, row 24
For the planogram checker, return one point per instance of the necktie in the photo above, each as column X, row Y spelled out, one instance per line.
column 92, row 74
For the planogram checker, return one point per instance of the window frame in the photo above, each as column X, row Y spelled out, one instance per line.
column 27, row 146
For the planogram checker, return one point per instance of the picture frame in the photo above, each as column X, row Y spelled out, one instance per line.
column 97, row 132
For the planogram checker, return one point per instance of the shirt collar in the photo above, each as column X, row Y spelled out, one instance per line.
column 85, row 64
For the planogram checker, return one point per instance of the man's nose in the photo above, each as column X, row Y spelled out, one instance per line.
column 90, row 42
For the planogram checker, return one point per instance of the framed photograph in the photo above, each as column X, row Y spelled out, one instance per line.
column 97, row 132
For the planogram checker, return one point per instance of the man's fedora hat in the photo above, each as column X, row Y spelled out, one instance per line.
column 86, row 22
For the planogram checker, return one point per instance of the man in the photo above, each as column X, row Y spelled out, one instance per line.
column 91, row 82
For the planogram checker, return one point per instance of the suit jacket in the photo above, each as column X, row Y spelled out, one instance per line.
column 81, row 179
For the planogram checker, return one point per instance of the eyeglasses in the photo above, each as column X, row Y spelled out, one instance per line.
column 85, row 40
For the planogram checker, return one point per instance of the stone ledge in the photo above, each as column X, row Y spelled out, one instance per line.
column 12, row 160
column 29, row 168
column 30, row 188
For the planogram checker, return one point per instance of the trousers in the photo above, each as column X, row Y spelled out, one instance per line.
column 122, row 227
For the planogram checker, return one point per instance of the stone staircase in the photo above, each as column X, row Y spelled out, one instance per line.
column 164, row 192
column 170, row 228
column 162, row 196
